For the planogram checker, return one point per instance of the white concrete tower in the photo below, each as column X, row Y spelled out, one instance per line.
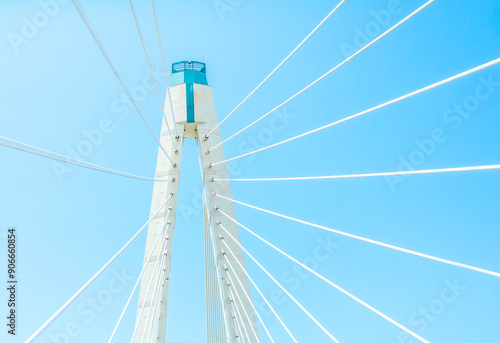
column 195, row 116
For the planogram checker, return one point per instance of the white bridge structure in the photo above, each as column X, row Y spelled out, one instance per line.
column 189, row 113
column 229, row 305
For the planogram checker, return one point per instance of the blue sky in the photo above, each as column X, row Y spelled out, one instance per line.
column 57, row 89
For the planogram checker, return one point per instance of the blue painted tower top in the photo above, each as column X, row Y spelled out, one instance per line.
column 189, row 72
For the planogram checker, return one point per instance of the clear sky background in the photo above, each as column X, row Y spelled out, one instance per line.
column 56, row 87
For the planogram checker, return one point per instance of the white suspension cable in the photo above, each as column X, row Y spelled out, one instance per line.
column 401, row 173
column 55, row 315
column 154, row 300
column 277, row 283
column 162, row 250
column 9, row 143
column 152, row 74
column 331, row 283
column 280, row 65
column 244, row 309
column 404, row 97
column 328, row 73
column 260, row 293
column 164, row 69
column 115, row 71
column 154, row 318
column 140, row 277
column 393, row 247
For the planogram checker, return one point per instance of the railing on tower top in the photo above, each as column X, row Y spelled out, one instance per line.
column 188, row 65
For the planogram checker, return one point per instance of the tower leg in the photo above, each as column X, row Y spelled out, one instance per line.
column 146, row 320
column 206, row 120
